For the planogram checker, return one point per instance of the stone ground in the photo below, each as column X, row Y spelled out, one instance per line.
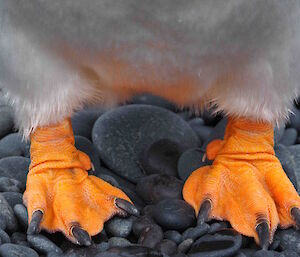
column 147, row 148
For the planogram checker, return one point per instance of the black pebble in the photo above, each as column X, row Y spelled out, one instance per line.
column 13, row 198
column 155, row 188
column 118, row 242
column 222, row 244
column 140, row 224
column 167, row 247
column 4, row 237
column 7, row 213
column 13, row 145
column 42, row 244
column 289, row 137
column 161, row 157
column 119, row 227
column 264, row 253
column 21, row 214
column 173, row 235
column 10, row 185
column 6, row 119
column 195, row 232
column 174, row 214
column 289, row 239
column 19, row 238
column 13, row 250
column 151, row 236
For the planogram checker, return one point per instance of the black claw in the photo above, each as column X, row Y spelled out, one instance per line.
column 295, row 212
column 82, row 237
column 263, row 232
column 127, row 207
column 34, row 226
column 204, row 212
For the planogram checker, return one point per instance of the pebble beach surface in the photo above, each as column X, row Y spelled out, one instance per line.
column 147, row 148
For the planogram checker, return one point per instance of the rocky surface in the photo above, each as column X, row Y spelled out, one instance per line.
column 147, row 148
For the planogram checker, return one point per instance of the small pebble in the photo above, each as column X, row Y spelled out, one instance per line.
column 42, row 244
column 140, row 224
column 13, row 145
column 264, row 253
column 118, row 242
column 195, row 232
column 167, row 247
column 10, row 185
column 173, row 235
column 6, row 120
column 4, row 237
column 174, row 214
column 289, row 137
column 133, row 250
column 18, row 238
column 185, row 245
column 7, row 213
column 214, row 227
column 155, row 188
column 13, row 198
column 151, row 236
column 289, row 239
column 21, row 214
column 119, row 227
column 13, row 250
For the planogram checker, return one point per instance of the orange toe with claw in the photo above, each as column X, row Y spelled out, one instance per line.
column 59, row 186
column 246, row 184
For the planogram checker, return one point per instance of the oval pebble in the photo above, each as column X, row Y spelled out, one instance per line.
column 118, row 242
column 13, row 250
column 21, row 214
column 185, row 245
column 173, row 235
column 174, row 214
column 10, row 185
column 214, row 227
column 4, row 237
column 18, row 238
column 140, row 224
column 151, row 236
column 189, row 161
column 6, row 120
column 166, row 246
column 289, row 239
column 119, row 227
column 13, row 145
column 13, row 198
column 195, row 232
column 222, row 244
column 7, row 213
column 155, row 188
column 42, row 244
column 161, row 157
column 133, row 250
column 123, row 134
column 264, row 253
column 289, row 137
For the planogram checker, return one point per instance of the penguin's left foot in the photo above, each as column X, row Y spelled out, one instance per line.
column 246, row 184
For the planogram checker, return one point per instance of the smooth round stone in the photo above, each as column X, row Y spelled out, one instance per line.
column 13, row 145
column 13, row 198
column 13, row 250
column 264, row 253
column 185, row 245
column 86, row 146
column 161, row 157
column 189, row 161
column 123, row 134
column 215, row 227
column 289, row 239
column 222, row 244
column 10, row 185
column 289, row 137
column 21, row 214
column 83, row 121
column 6, row 120
column 149, row 99
column 173, row 235
column 148, row 210
column 195, row 232
column 155, row 188
column 289, row 158
column 4, row 237
column 118, row 242
column 42, row 244
column 18, row 238
column 103, row 246
column 7, row 213
column 133, row 250
column 174, row 214
column 119, row 227
column 167, row 247
column 15, row 167
column 203, row 132
column 185, row 115
column 288, row 253
column 140, row 224
column 151, row 236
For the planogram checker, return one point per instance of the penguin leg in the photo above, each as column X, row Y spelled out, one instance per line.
column 60, row 195
column 246, row 184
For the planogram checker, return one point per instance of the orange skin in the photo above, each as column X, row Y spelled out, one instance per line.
column 58, row 184
column 246, row 183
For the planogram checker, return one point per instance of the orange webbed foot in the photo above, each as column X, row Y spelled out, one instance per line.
column 60, row 195
column 246, row 184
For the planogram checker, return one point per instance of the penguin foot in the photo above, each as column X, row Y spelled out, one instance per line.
column 60, row 195
column 246, row 184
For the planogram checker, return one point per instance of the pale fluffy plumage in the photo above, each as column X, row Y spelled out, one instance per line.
column 242, row 55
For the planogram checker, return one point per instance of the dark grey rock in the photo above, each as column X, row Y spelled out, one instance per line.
column 4, row 237
column 102, row 246
column 189, row 161
column 185, row 245
column 148, row 210
column 167, row 247
column 19, row 238
column 264, row 253
column 221, row 244
column 13, row 198
column 6, row 120
column 195, row 232
column 133, row 250
column 202, row 131
column 140, row 224
column 289, row 239
column 289, row 137
column 149, row 99
column 42, row 244
column 13, row 250
column 82, row 251
column 289, row 253
column 173, row 235
column 174, row 214
column 109, row 179
column 155, row 188
column 15, row 167
column 151, row 236
column 185, row 115
column 10, row 185
column 107, row 254
column 119, row 227
column 247, row 252
column 123, row 134
column 161, row 157
column 86, row 146
column 21, row 214
column 13, row 145
column 214, row 227
column 294, row 120
column 118, row 242
column 210, row 117
column 83, row 121
column 7, row 213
